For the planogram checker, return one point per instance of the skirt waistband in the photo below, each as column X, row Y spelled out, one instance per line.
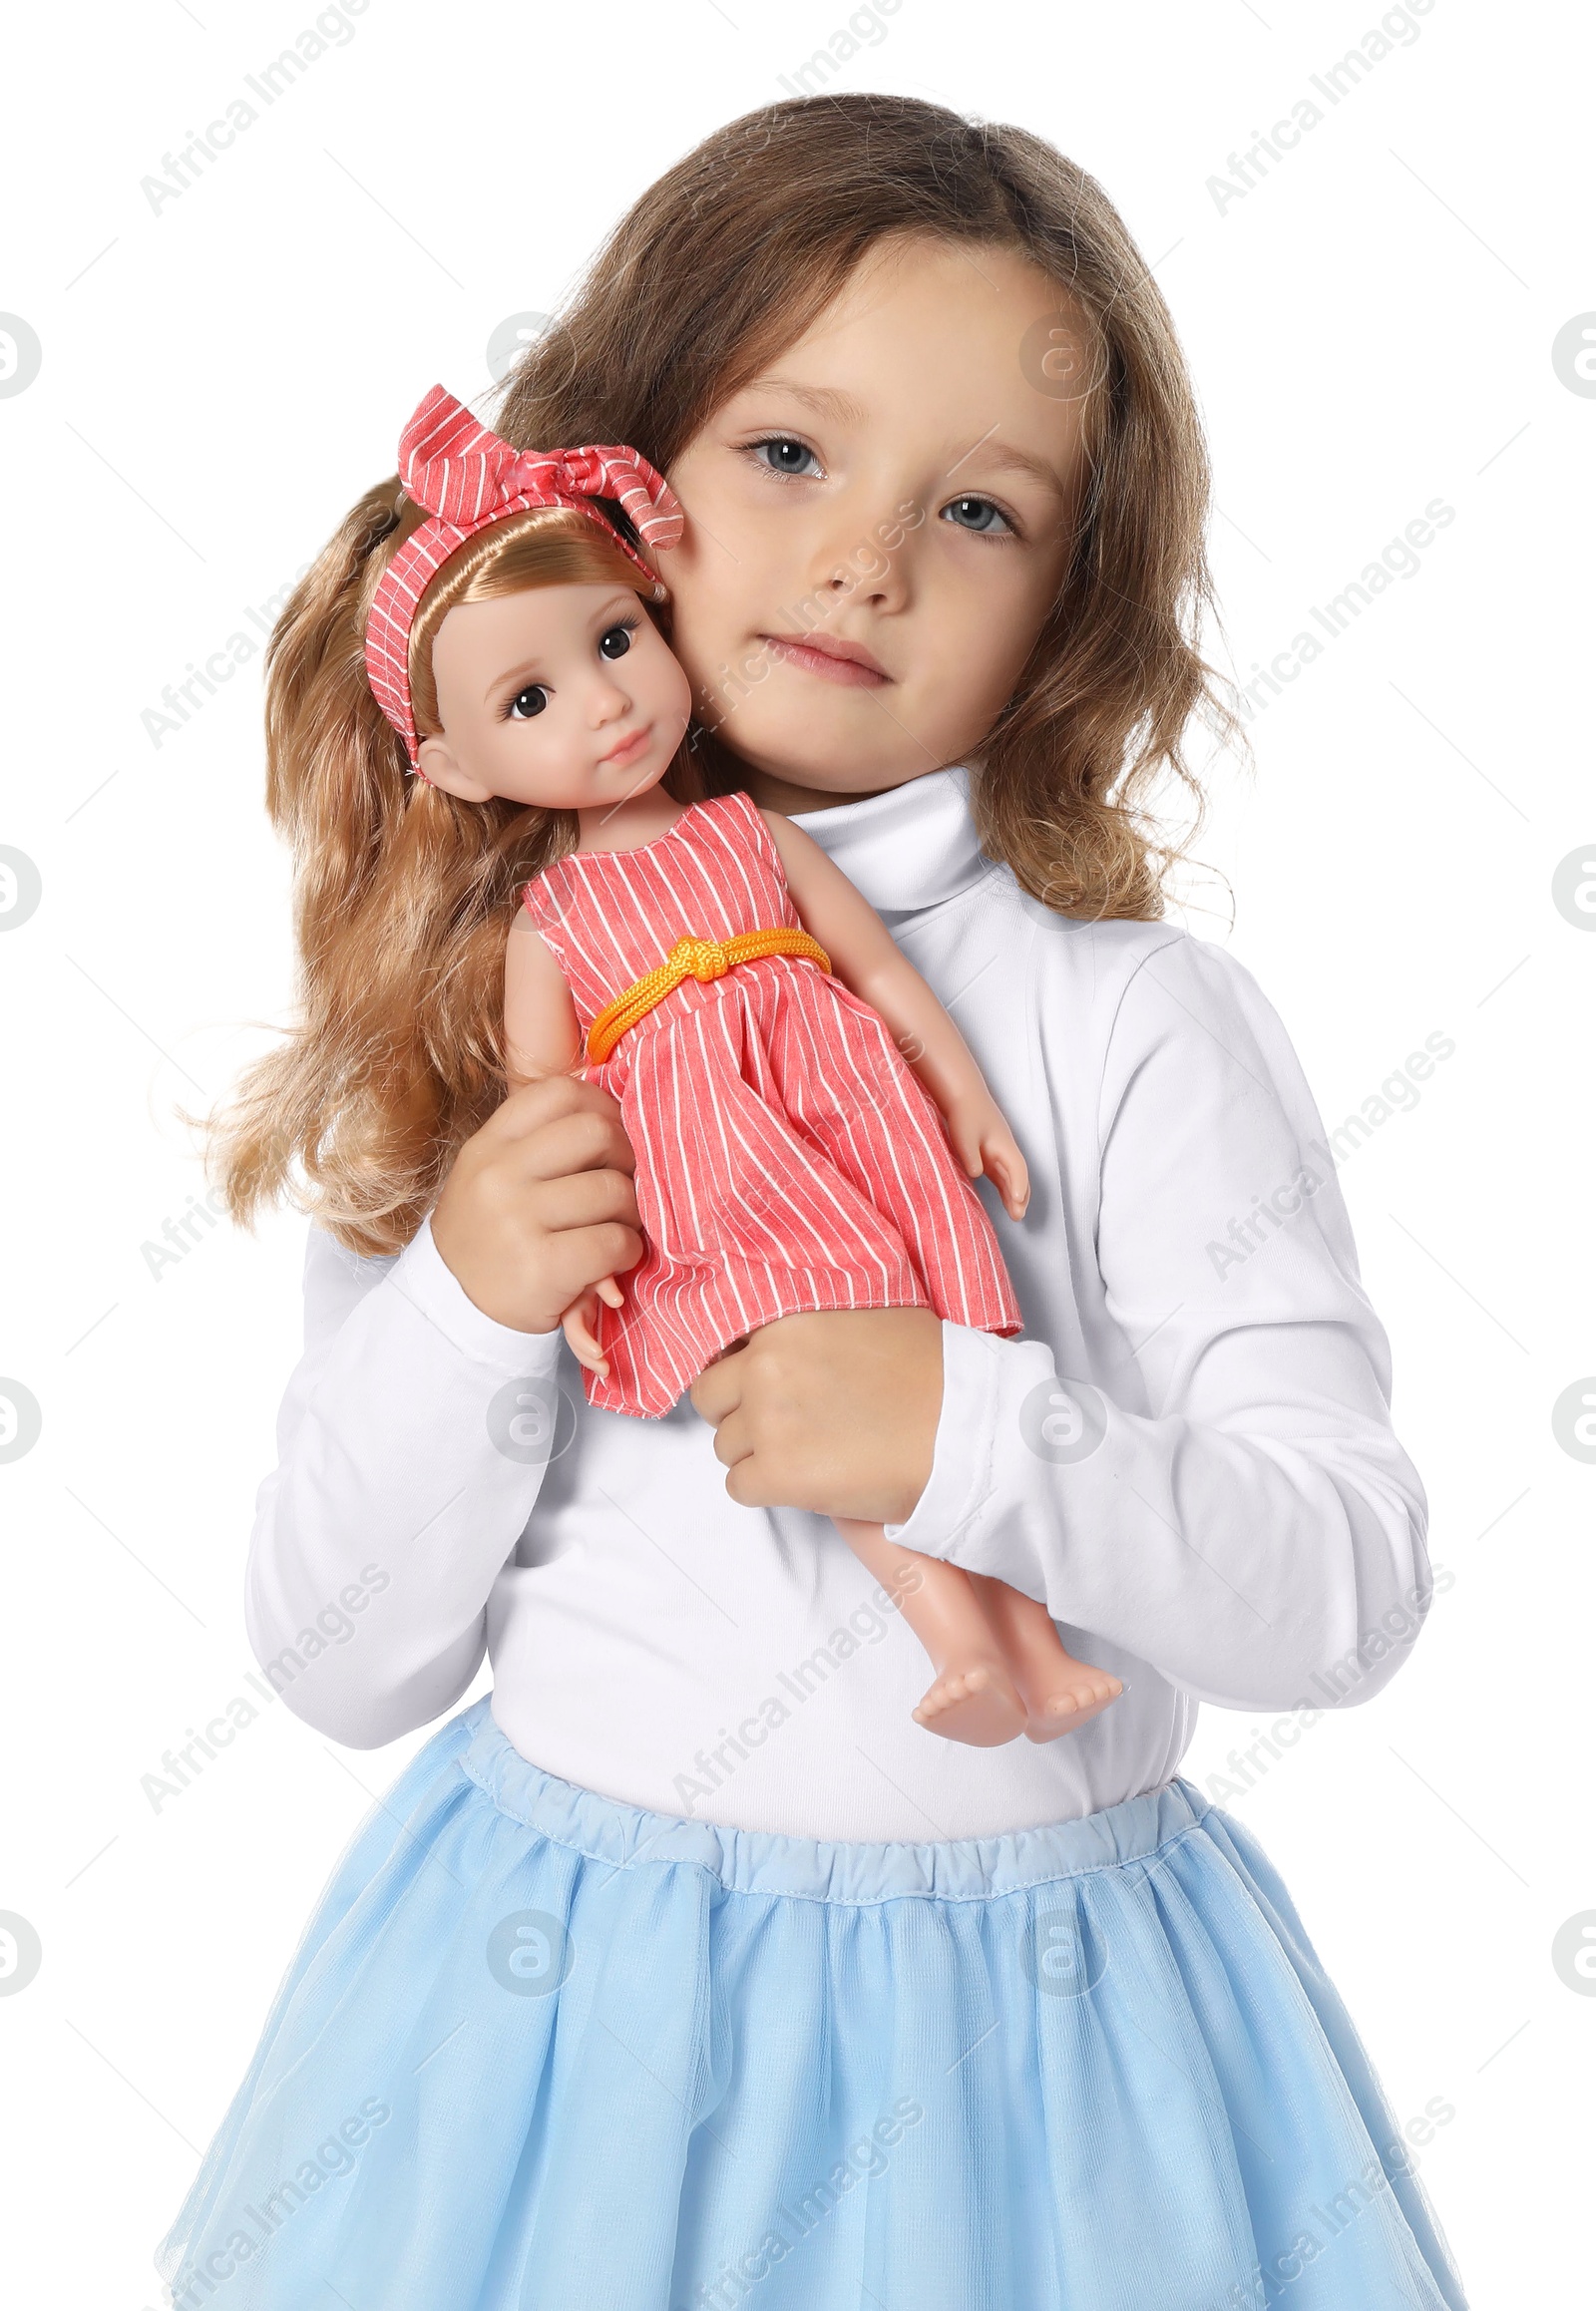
column 757, row 1861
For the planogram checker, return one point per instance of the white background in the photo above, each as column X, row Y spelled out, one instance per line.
column 1371, row 328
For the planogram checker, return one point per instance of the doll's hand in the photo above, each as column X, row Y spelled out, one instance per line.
column 580, row 1324
column 984, row 1142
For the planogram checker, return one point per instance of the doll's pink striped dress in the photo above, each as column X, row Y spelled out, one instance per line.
column 787, row 1156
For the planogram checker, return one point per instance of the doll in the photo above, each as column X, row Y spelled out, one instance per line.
column 718, row 975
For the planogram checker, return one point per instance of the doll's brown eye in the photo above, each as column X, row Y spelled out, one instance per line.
column 615, row 644
column 528, row 702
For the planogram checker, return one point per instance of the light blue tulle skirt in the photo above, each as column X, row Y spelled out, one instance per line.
column 538, row 2051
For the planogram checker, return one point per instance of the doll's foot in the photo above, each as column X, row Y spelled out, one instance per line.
column 1085, row 1695
column 978, row 1706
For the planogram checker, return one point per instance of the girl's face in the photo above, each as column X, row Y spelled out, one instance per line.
column 878, row 525
column 566, row 697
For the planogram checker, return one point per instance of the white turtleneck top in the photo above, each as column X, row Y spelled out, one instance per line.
column 1188, row 1454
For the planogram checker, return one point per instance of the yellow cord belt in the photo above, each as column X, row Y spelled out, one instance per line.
column 699, row 959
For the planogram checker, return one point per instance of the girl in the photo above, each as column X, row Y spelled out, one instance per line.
column 681, row 1970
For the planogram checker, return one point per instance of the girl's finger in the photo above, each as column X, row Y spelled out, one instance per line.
column 582, row 1199
column 585, row 1141
column 717, row 1391
column 581, row 1253
column 733, row 1443
column 533, row 1106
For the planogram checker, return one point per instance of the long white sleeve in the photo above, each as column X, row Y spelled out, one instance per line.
column 1232, row 1505
column 394, row 1503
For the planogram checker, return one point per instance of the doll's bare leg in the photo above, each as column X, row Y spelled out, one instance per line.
column 1059, row 1691
column 974, row 1697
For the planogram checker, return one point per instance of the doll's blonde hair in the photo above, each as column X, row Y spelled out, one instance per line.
column 403, row 893
column 405, row 896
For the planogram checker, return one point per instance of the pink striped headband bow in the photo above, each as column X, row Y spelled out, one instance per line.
column 467, row 478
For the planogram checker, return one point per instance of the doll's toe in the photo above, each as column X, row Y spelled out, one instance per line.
column 977, row 1705
column 1072, row 1705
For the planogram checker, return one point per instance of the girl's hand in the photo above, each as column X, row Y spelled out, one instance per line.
column 984, row 1142
column 539, row 1206
column 831, row 1412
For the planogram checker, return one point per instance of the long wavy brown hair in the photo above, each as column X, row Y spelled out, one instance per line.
column 404, row 895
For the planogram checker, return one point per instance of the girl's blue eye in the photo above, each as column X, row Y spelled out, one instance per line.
column 528, row 702
column 977, row 514
column 786, row 455
column 615, row 644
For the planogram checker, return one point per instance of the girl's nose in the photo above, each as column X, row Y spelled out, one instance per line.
column 862, row 555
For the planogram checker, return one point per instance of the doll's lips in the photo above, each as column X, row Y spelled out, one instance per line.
column 832, row 661
column 628, row 748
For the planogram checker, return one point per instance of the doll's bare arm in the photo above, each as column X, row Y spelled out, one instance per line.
column 542, row 1037
column 866, row 960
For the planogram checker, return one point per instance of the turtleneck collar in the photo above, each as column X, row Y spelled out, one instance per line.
column 908, row 849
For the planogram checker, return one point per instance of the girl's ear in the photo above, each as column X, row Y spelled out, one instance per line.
column 439, row 764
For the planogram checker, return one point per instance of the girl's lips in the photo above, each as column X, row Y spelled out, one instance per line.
column 628, row 749
column 833, row 661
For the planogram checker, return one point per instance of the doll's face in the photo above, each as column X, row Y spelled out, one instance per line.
column 902, row 482
column 565, row 697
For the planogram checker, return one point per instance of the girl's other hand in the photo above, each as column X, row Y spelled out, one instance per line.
column 984, row 1142
column 539, row 1207
column 831, row 1410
